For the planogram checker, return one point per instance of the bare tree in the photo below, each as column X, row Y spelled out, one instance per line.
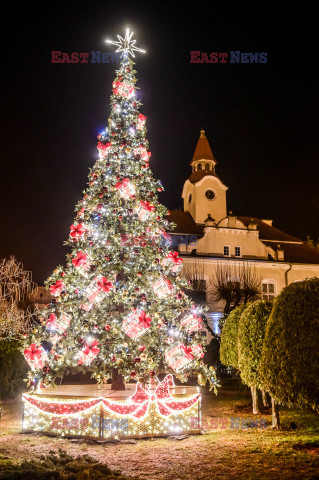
column 234, row 284
column 16, row 286
column 194, row 274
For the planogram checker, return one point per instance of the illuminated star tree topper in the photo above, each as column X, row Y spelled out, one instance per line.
column 126, row 45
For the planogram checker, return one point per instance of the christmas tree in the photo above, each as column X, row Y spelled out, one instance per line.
column 119, row 305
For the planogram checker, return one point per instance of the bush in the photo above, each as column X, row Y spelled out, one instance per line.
column 229, row 338
column 13, row 369
column 251, row 334
column 290, row 359
column 60, row 466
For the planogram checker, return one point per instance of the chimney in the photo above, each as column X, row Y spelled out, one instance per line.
column 280, row 253
column 310, row 242
column 269, row 222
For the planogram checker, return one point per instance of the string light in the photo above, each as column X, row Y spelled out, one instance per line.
column 119, row 263
column 144, row 413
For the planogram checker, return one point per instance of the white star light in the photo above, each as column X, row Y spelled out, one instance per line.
column 126, row 45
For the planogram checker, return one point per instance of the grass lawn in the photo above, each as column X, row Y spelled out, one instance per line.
column 224, row 451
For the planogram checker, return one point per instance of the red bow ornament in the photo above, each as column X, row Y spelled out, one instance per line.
column 82, row 263
column 33, row 356
column 51, row 321
column 77, row 231
column 103, row 147
column 142, row 153
column 123, row 89
column 141, row 121
column 126, row 188
column 88, row 353
column 98, row 288
column 173, row 258
column 191, row 323
column 104, row 285
column 57, row 288
column 136, row 406
column 147, row 206
column 80, row 260
column 136, row 324
column 179, row 357
column 144, row 210
column 144, row 320
column 162, row 287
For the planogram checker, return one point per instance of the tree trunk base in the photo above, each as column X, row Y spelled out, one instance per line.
column 117, row 381
column 254, row 397
column 265, row 399
column 275, row 415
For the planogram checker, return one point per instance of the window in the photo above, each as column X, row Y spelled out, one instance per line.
column 268, row 290
column 237, row 252
column 226, row 250
column 199, row 166
column 190, row 198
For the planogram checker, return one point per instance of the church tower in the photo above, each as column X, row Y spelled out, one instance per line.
column 204, row 193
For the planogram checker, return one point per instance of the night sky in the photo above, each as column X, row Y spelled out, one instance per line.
column 260, row 119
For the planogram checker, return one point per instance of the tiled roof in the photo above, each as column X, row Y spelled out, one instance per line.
column 268, row 232
column 295, row 251
column 203, row 150
column 185, row 223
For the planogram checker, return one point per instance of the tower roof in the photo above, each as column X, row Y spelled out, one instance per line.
column 203, row 150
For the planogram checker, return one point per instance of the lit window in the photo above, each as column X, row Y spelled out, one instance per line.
column 268, row 290
column 237, row 252
column 226, row 250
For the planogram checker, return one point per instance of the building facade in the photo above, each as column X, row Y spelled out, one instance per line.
column 214, row 242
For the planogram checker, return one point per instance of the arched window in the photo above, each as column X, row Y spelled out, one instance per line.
column 268, row 289
column 199, row 166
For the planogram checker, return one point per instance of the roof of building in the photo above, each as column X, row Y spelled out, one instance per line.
column 295, row 250
column 185, row 224
column 203, row 150
column 199, row 174
column 268, row 232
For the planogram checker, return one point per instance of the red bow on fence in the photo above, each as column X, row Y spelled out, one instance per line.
column 136, row 406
